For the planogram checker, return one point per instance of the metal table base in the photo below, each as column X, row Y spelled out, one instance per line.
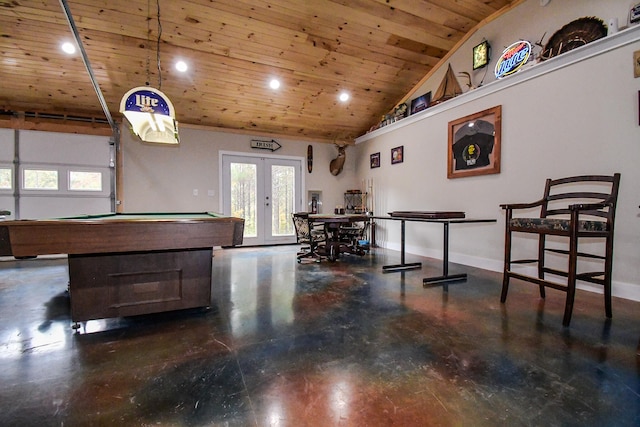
column 436, row 280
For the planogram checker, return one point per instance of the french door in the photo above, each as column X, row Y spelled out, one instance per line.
column 265, row 191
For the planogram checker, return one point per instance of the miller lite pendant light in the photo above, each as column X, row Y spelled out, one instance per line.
column 151, row 115
column 149, row 112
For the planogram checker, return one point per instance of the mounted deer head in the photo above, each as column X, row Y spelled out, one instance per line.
column 336, row 164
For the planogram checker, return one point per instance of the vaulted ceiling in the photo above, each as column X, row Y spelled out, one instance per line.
column 375, row 50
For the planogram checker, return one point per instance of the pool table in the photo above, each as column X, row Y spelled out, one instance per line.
column 125, row 264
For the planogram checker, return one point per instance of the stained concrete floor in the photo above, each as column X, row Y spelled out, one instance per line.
column 330, row 344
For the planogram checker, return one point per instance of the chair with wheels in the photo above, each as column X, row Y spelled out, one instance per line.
column 353, row 236
column 575, row 209
column 312, row 236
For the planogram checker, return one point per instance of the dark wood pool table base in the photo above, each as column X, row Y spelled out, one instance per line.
column 134, row 283
column 129, row 264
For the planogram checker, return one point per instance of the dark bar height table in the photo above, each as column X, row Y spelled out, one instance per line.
column 444, row 218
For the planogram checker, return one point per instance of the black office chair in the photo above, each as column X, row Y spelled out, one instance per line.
column 579, row 207
column 353, row 235
column 309, row 234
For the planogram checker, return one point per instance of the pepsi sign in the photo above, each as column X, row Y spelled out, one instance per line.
column 513, row 58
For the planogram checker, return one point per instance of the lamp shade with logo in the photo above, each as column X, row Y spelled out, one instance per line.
column 151, row 115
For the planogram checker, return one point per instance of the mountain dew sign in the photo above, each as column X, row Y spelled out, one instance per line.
column 513, row 58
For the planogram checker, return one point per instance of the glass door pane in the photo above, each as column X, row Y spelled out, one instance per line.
column 283, row 188
column 244, row 179
column 265, row 191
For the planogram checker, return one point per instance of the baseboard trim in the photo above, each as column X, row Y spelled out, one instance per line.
column 630, row 291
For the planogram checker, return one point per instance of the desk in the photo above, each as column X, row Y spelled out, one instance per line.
column 128, row 264
column 446, row 277
column 332, row 224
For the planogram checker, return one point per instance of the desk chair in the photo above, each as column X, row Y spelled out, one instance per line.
column 575, row 208
column 353, row 234
column 313, row 236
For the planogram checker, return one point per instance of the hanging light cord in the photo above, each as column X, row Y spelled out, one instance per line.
column 158, row 47
column 148, row 34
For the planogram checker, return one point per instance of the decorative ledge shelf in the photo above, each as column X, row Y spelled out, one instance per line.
column 593, row 49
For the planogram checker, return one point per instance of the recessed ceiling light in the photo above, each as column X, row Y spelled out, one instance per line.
column 182, row 66
column 69, row 48
column 274, row 84
column 344, row 97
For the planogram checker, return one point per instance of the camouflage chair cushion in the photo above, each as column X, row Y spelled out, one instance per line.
column 556, row 224
column 302, row 231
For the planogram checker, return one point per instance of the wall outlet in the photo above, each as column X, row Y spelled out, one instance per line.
column 195, row 191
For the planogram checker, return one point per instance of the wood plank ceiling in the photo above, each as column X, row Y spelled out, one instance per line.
column 376, row 50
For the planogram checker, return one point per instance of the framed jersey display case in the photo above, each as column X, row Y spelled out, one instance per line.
column 474, row 144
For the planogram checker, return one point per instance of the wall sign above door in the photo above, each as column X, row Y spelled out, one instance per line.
column 265, row 145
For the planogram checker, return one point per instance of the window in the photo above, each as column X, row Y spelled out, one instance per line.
column 85, row 181
column 6, row 182
column 35, row 179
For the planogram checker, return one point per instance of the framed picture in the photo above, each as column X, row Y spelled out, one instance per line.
column 421, row 103
column 374, row 160
column 474, row 144
column 397, row 155
column 481, row 55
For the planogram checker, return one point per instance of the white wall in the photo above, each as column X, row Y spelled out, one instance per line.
column 162, row 178
column 580, row 119
column 528, row 21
